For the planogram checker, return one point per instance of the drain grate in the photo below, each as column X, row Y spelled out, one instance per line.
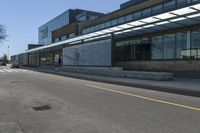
column 42, row 108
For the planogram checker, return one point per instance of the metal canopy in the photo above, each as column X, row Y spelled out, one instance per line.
column 176, row 18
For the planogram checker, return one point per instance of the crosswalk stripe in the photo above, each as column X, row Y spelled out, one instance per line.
column 23, row 70
column 1, row 71
column 14, row 70
column 7, row 70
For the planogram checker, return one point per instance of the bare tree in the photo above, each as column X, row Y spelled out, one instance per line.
column 3, row 34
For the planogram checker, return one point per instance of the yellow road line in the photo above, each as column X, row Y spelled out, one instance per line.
column 145, row 98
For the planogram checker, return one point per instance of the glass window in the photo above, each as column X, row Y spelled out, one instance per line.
column 63, row 38
column 157, row 9
column 57, row 39
column 182, row 2
column 121, row 20
column 146, row 12
column 108, row 24
column 156, row 47
column 119, row 51
column 169, row 46
column 102, row 26
column 96, row 27
column 82, row 18
column 170, row 5
column 195, row 0
column 92, row 29
column 127, row 50
column 137, row 15
column 71, row 35
column 195, row 46
column 128, row 18
column 141, row 49
column 114, row 22
column 182, row 52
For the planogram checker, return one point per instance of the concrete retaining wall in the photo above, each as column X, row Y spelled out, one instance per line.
column 118, row 72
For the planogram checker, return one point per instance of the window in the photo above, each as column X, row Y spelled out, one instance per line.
column 82, row 18
column 102, row 26
column 96, row 27
column 141, row 49
column 156, row 47
column 114, row 22
column 195, row 46
column 92, row 17
column 71, row 35
column 195, row 0
column 128, row 18
column 108, row 24
column 170, row 5
column 169, row 46
column 146, row 12
column 121, row 20
column 182, row 51
column 63, row 38
column 127, row 50
column 182, row 2
column 57, row 39
column 157, row 9
column 137, row 15
column 119, row 51
column 92, row 29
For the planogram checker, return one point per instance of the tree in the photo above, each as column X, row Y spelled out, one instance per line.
column 3, row 34
column 5, row 58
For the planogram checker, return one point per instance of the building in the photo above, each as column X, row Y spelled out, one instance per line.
column 150, row 35
column 68, row 17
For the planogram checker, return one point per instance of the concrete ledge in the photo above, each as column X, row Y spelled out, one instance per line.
column 118, row 72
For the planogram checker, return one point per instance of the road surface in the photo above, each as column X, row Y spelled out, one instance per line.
column 68, row 105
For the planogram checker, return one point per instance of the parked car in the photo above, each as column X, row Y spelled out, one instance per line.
column 15, row 65
column 2, row 63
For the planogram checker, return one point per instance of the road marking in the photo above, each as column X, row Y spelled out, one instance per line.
column 7, row 70
column 1, row 71
column 22, row 70
column 145, row 98
column 14, row 70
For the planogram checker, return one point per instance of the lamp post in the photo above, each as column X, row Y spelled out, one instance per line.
column 8, row 52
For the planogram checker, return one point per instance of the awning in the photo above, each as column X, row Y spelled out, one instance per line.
column 181, row 17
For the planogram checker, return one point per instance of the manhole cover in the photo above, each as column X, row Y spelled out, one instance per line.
column 42, row 108
column 14, row 82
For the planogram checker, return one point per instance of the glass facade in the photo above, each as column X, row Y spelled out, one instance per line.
column 180, row 45
column 195, row 45
column 157, row 9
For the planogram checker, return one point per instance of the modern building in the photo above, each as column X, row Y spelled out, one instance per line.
column 150, row 35
column 68, row 17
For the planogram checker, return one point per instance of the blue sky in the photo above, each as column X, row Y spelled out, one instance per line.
column 23, row 17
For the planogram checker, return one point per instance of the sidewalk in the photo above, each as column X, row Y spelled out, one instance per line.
column 189, row 87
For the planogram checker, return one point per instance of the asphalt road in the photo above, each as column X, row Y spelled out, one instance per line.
column 81, row 106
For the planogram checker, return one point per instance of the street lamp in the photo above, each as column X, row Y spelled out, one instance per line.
column 8, row 52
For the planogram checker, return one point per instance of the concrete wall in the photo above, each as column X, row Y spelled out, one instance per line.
column 91, row 54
